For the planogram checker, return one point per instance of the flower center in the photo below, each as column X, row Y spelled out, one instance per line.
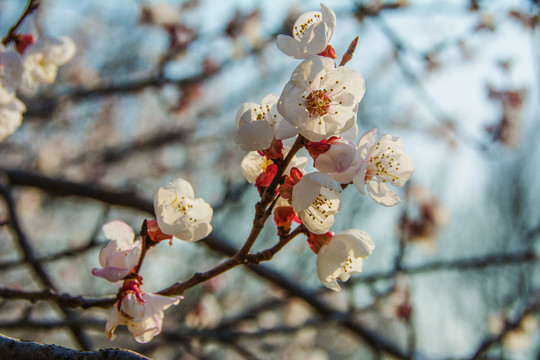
column 318, row 102
column 183, row 207
column 300, row 29
column 264, row 113
column 265, row 164
column 382, row 165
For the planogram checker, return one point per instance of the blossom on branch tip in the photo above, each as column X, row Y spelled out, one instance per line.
column 316, row 199
column 178, row 213
column 42, row 59
column 311, row 34
column 321, row 100
column 141, row 312
column 342, row 256
column 258, row 125
column 121, row 254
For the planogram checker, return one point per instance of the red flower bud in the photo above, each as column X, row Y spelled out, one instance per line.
column 328, row 52
column 154, row 232
column 22, row 41
column 317, row 241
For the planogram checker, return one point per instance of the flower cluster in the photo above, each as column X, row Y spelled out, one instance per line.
column 317, row 110
column 178, row 215
column 27, row 65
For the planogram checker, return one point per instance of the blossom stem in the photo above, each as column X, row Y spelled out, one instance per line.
column 30, row 7
column 247, row 259
column 146, row 244
column 268, row 254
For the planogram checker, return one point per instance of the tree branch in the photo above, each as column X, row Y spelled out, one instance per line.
column 11, row 348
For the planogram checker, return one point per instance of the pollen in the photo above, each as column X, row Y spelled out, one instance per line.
column 318, row 102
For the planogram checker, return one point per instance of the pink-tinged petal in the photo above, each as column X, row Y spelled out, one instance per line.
column 111, row 274
column 121, row 232
column 381, row 194
column 133, row 256
column 337, row 159
column 348, row 175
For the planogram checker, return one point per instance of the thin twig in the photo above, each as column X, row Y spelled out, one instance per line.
column 11, row 35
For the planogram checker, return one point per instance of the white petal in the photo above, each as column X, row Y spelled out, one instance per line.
column 113, row 321
column 330, row 262
column 183, row 188
column 381, row 194
column 290, row 47
column 315, row 222
column 304, row 193
column 338, row 158
column 131, row 306
column 252, row 166
column 156, row 303
column 257, row 135
column 121, row 232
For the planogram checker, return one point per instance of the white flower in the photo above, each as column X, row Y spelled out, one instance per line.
column 385, row 163
column 257, row 125
column 42, row 59
column 143, row 315
column 11, row 70
column 376, row 164
column 121, row 253
column 178, row 212
column 342, row 256
column 320, row 99
column 10, row 117
column 254, row 164
column 338, row 158
column 316, row 199
column 311, row 34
